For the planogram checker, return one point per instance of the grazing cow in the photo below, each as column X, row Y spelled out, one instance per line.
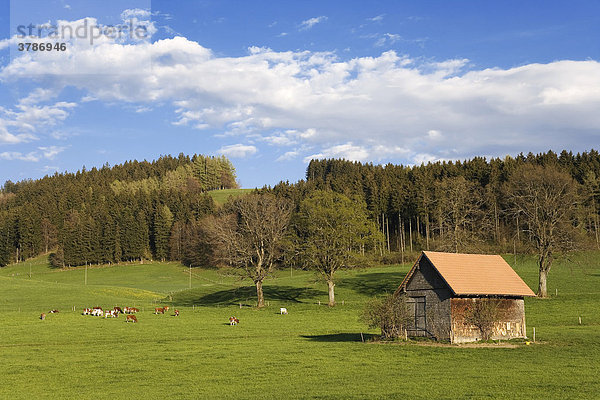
column 133, row 310
column 97, row 312
column 233, row 321
column 177, row 313
column 87, row 311
column 160, row 310
column 43, row 316
column 53, row 311
column 131, row 318
column 110, row 313
column 118, row 310
column 283, row 310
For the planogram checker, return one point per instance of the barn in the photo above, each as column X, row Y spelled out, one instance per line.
column 451, row 295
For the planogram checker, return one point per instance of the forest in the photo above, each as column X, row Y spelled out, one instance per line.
column 157, row 210
column 134, row 211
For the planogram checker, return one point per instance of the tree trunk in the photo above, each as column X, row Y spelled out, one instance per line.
column 259, row 294
column 331, row 285
column 542, row 288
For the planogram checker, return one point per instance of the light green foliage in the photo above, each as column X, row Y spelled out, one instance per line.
column 331, row 231
column 314, row 352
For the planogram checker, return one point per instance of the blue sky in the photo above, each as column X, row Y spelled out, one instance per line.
column 272, row 84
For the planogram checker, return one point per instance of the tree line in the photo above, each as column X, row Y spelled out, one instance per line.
column 343, row 214
column 133, row 211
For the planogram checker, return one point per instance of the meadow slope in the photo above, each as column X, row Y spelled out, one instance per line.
column 314, row 352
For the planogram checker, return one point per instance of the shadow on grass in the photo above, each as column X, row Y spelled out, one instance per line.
column 339, row 337
column 247, row 294
column 373, row 283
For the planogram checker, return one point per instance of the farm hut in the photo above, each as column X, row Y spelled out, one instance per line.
column 464, row 297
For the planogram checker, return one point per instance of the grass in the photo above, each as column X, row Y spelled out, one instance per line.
column 314, row 352
column 221, row 196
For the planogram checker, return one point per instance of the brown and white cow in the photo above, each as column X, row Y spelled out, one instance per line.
column 177, row 313
column 43, row 316
column 97, row 312
column 161, row 310
column 131, row 318
column 87, row 311
column 53, row 311
column 118, row 310
column 233, row 321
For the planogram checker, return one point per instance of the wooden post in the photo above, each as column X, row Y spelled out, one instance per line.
column 579, row 320
column 362, row 337
column 556, row 291
column 534, row 334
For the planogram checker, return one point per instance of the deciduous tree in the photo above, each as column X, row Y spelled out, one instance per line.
column 250, row 235
column 545, row 198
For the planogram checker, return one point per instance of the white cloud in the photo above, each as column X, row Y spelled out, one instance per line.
column 237, row 150
column 50, row 152
column 288, row 155
column 15, row 155
column 309, row 23
column 347, row 151
column 135, row 13
column 388, row 39
column 377, row 18
column 366, row 108
column 47, row 153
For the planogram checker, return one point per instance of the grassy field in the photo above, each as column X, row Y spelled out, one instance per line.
column 314, row 352
column 221, row 196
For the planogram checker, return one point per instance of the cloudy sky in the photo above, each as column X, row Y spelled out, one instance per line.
column 272, row 84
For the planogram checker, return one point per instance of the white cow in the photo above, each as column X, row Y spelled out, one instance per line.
column 97, row 312
column 283, row 310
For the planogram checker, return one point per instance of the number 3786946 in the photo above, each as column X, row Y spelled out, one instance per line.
column 42, row 46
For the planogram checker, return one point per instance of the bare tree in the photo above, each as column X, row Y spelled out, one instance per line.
column 545, row 199
column 459, row 212
column 250, row 235
column 483, row 314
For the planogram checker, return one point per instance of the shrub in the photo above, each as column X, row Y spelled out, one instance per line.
column 483, row 314
column 390, row 314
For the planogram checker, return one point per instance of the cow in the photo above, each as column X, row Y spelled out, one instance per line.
column 233, row 321
column 110, row 313
column 118, row 310
column 43, row 316
column 97, row 312
column 87, row 311
column 283, row 310
column 177, row 313
column 131, row 318
column 53, row 311
column 160, row 310
column 166, row 308
column 133, row 310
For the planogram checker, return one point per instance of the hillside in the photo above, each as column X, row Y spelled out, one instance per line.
column 126, row 212
column 198, row 355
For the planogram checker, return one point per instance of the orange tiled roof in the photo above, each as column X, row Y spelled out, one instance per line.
column 478, row 274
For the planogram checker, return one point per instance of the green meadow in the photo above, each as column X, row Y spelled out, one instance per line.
column 313, row 352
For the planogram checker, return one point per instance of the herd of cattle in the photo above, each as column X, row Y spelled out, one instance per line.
column 129, row 313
